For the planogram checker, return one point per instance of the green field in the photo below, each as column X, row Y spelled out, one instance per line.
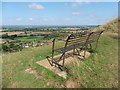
column 30, row 38
column 100, row 70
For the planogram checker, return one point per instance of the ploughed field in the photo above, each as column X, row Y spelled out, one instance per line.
column 100, row 70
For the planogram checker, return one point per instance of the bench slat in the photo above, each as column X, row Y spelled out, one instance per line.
column 68, row 48
column 74, row 39
column 76, row 42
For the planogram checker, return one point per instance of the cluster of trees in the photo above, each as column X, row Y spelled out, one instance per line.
column 46, row 36
column 55, row 35
column 11, row 47
column 4, row 36
column 45, row 29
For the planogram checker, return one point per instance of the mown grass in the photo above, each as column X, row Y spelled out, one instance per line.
column 99, row 70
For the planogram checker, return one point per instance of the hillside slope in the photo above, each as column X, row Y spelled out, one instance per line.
column 100, row 70
column 111, row 26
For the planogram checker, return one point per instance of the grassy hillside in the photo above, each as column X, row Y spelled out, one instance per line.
column 111, row 26
column 99, row 70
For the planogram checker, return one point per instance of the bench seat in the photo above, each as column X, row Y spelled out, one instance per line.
column 71, row 47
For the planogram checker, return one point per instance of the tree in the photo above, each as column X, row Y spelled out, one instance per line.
column 25, row 32
column 5, row 35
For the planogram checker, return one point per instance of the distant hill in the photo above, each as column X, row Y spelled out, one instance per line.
column 111, row 26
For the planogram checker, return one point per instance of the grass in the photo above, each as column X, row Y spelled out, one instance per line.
column 100, row 70
column 35, row 38
column 14, row 66
column 30, row 38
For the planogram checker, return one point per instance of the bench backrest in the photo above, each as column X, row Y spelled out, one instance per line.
column 75, row 38
column 82, row 38
column 94, row 36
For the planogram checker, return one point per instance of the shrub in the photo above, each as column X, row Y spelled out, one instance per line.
column 11, row 47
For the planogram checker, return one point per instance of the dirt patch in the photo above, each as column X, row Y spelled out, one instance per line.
column 46, row 64
column 71, row 84
column 115, row 37
column 14, row 85
column 112, row 65
column 68, row 60
column 34, row 72
column 62, row 86
column 63, row 74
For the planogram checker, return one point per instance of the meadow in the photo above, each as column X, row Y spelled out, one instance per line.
column 100, row 70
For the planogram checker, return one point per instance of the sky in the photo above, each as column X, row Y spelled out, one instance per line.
column 58, row 13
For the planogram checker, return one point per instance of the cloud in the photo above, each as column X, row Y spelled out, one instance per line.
column 30, row 19
column 74, row 5
column 36, row 6
column 75, row 13
column 80, row 2
column 18, row 19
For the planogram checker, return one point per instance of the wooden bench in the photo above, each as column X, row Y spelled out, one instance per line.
column 73, row 42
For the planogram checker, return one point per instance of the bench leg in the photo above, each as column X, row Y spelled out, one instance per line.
column 63, row 57
column 78, row 52
column 73, row 52
column 50, row 62
column 96, row 45
column 60, row 68
column 86, row 46
column 90, row 46
column 63, row 60
column 57, row 65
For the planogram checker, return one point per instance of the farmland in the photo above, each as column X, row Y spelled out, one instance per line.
column 15, row 38
column 30, row 38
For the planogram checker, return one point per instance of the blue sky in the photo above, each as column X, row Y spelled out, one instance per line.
column 58, row 13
